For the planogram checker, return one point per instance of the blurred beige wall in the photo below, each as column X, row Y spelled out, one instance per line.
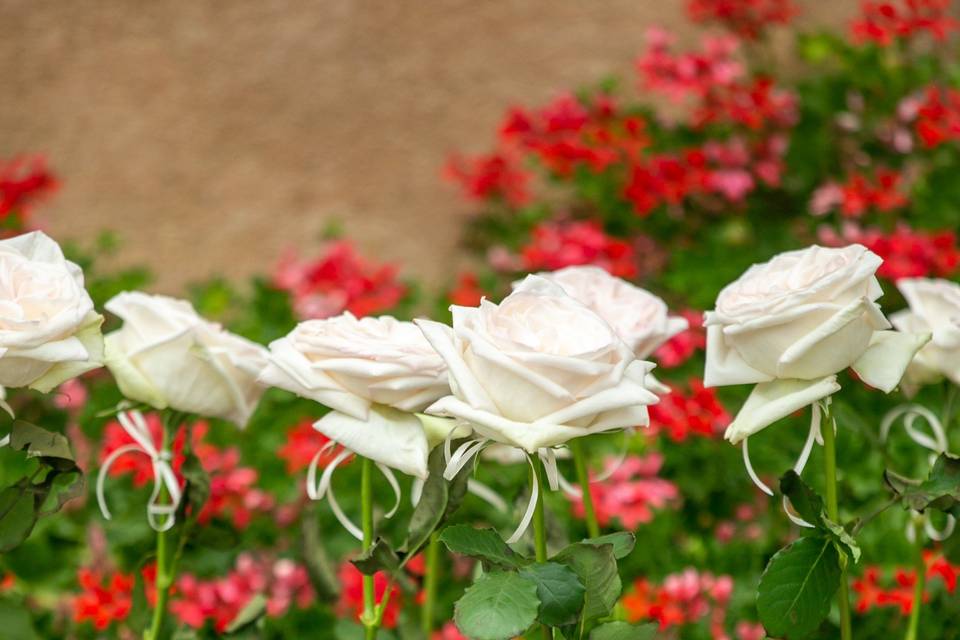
column 213, row 134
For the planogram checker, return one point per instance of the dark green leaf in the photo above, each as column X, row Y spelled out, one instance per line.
column 250, row 613
column 559, row 590
column 15, row 620
column 797, row 586
column 216, row 535
column 624, row 631
column 484, row 544
column 53, row 449
column 597, row 568
column 941, row 489
column 438, row 500
column 498, row 606
column 622, row 542
column 379, row 557
column 809, row 506
column 18, row 514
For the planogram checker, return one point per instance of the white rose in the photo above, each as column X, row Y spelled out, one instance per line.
column 49, row 331
column 166, row 355
column 639, row 317
column 793, row 323
column 373, row 372
column 934, row 308
column 538, row 369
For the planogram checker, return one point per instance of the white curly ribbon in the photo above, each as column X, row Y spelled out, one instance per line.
column 937, row 443
column 136, row 427
column 813, row 436
column 324, row 488
column 474, row 487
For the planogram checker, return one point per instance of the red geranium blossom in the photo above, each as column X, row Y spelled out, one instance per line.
column 748, row 19
column 683, row 598
column 899, row 595
column 884, row 21
column 938, row 117
column 681, row 347
column 680, row 414
column 631, row 493
column 351, row 594
column 303, row 443
column 337, row 281
column 23, row 181
column 906, row 253
column 494, row 176
column 104, row 599
column 468, row 291
column 555, row 245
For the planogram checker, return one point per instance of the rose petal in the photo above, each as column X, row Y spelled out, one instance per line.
column 884, row 362
column 388, row 436
column 724, row 366
column 771, row 401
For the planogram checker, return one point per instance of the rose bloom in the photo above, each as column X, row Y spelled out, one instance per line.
column 538, row 369
column 935, row 308
column 640, row 318
column 166, row 355
column 791, row 324
column 373, row 373
column 49, row 331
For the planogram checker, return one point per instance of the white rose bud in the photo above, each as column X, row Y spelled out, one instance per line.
column 934, row 308
column 538, row 369
column 374, row 373
column 166, row 355
column 793, row 323
column 49, row 331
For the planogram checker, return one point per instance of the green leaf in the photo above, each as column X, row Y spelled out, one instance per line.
column 559, row 590
column 597, row 568
column 18, row 514
column 622, row 541
column 484, row 544
column 809, row 506
column 624, row 631
column 250, row 613
column 941, row 489
column 379, row 557
column 15, row 620
column 53, row 449
column 438, row 500
column 797, row 586
column 498, row 606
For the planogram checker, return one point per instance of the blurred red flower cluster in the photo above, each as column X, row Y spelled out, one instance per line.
column 555, row 245
column 233, row 491
column 23, row 181
column 883, row 21
column 631, row 492
column 350, row 603
column 749, row 19
column 680, row 414
column 906, row 253
column 860, row 195
column 938, row 117
column 339, row 280
column 900, row 595
column 681, row 347
column 104, row 599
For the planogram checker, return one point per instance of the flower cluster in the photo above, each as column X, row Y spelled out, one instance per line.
column 906, row 253
column 282, row 582
column 679, row 415
column 900, row 595
column 885, row 21
column 350, row 603
column 749, row 19
column 631, row 493
column 105, row 598
column 681, row 347
column 860, row 195
column 337, row 281
column 938, row 117
column 302, row 444
column 490, row 177
column 23, row 182
column 682, row 599
column 555, row 245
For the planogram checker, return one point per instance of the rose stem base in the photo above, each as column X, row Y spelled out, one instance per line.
column 539, row 525
column 166, row 569
column 369, row 593
column 430, row 583
column 830, row 470
column 583, row 479
column 920, row 568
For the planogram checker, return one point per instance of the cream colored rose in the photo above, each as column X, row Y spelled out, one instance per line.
column 640, row 318
column 49, row 331
column 374, row 373
column 538, row 369
column 934, row 308
column 793, row 323
column 166, row 355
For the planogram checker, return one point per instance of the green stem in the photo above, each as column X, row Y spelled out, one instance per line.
column 540, row 528
column 583, row 478
column 369, row 618
column 920, row 567
column 430, row 583
column 166, row 563
column 830, row 469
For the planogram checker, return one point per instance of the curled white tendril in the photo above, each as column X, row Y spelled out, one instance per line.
column 813, row 436
column 937, row 444
column 136, row 427
column 324, row 488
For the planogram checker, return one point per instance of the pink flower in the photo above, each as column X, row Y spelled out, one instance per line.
column 631, row 493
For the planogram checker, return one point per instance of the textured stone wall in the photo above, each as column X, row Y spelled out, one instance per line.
column 213, row 134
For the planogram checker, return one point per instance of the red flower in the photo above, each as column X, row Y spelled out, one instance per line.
column 468, row 291
column 683, row 598
column 678, row 76
column 303, row 443
column 351, row 594
column 338, row 281
column 448, row 632
column 872, row 594
column 497, row 176
column 860, row 195
column 681, row 347
column 555, row 245
column 104, row 599
column 23, row 181
column 631, row 493
column 678, row 415
column 884, row 21
column 748, row 19
column 757, row 104
column 938, row 117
